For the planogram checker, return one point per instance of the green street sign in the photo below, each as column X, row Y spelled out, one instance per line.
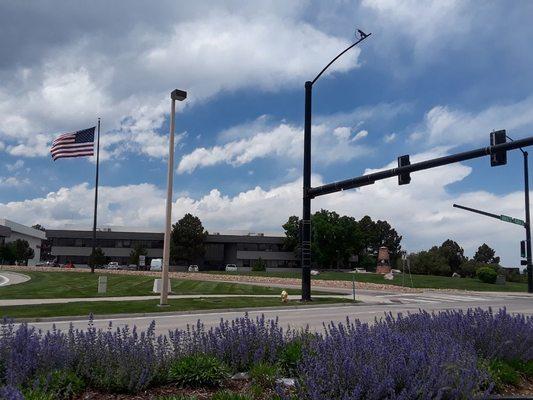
column 506, row 218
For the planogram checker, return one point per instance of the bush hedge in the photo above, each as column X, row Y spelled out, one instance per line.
column 487, row 275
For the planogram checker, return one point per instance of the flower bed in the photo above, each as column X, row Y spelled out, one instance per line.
column 448, row 355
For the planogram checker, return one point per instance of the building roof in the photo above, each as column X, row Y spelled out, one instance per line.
column 22, row 229
column 106, row 234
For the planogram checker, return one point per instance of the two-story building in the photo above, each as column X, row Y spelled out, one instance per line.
column 220, row 249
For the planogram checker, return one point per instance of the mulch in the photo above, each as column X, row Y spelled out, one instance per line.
column 169, row 390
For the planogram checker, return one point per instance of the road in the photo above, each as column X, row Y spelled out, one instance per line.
column 314, row 317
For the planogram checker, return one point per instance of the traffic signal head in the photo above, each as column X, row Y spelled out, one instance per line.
column 404, row 179
column 523, row 249
column 498, row 157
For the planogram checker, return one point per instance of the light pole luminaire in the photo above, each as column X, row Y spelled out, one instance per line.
column 305, row 236
column 179, row 95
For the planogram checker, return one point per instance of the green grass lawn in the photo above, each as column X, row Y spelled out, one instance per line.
column 45, row 285
column 146, row 306
column 419, row 281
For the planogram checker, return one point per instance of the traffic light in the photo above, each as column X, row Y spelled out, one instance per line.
column 498, row 157
column 404, row 179
column 523, row 249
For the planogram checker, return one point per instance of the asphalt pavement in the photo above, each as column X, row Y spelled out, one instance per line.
column 314, row 317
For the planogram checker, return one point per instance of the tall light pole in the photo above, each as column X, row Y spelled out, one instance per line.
column 305, row 237
column 179, row 95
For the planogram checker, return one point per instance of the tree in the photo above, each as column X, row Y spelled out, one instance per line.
column 259, row 265
column 377, row 234
column 485, row 254
column 453, row 253
column 97, row 258
column 334, row 238
column 388, row 237
column 46, row 245
column 187, row 239
column 6, row 254
column 291, row 242
column 429, row 262
column 18, row 251
column 138, row 250
column 469, row 267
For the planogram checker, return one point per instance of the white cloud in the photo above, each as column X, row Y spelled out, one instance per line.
column 422, row 211
column 360, row 135
column 203, row 49
column 15, row 166
column 444, row 125
column 391, row 137
column 13, row 181
column 333, row 139
column 427, row 26
column 284, row 141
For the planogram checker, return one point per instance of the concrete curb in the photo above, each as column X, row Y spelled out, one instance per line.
column 178, row 313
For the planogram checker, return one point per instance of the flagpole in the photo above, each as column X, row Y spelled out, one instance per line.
column 96, row 195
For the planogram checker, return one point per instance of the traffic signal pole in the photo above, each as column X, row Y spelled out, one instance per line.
column 420, row 166
column 363, row 180
column 527, row 226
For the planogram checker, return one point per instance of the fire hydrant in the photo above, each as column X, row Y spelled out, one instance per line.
column 284, row 297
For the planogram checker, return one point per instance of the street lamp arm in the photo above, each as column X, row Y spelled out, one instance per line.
column 340, row 54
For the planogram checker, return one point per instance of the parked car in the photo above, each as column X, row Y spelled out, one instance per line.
column 156, row 264
column 131, row 267
column 193, row 268
column 113, row 265
column 231, row 267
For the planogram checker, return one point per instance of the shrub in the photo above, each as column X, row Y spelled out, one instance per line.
column 60, row 385
column 264, row 375
column 227, row 395
column 290, row 356
column 37, row 394
column 240, row 343
column 501, row 372
column 396, row 358
column 487, row 274
column 524, row 367
column 10, row 393
column 178, row 397
column 198, row 370
column 259, row 265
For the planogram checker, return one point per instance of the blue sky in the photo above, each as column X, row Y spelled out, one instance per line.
column 434, row 78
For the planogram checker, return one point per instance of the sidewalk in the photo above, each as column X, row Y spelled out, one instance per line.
column 22, row 302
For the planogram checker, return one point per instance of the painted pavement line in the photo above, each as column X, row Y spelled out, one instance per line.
column 4, row 280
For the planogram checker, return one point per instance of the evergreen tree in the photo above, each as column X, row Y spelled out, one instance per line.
column 485, row 254
column 187, row 239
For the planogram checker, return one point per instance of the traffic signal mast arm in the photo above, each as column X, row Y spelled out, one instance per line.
column 420, row 166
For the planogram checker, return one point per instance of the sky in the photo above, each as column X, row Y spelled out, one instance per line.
column 434, row 78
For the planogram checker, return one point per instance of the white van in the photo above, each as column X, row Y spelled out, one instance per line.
column 156, row 264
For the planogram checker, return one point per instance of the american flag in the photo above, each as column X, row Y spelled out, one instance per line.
column 74, row 144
